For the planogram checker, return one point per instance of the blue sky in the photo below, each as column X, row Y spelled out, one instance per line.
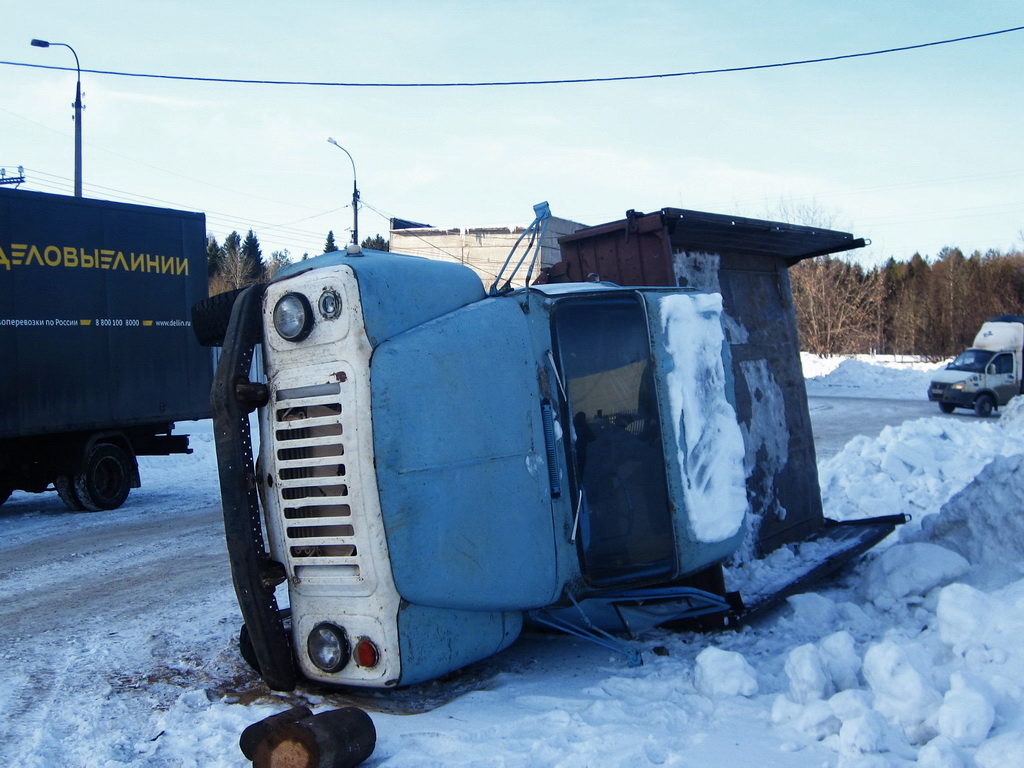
column 913, row 150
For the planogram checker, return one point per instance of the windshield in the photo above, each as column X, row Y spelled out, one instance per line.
column 626, row 528
column 973, row 360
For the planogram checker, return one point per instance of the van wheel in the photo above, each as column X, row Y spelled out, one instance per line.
column 947, row 407
column 983, row 406
column 65, row 485
column 106, row 479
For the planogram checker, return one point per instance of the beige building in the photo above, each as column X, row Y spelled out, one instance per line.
column 484, row 249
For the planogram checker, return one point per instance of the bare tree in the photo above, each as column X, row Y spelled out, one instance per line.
column 837, row 305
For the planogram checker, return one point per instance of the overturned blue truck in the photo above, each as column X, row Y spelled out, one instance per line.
column 440, row 464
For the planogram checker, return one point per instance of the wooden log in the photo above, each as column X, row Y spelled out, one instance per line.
column 341, row 738
column 255, row 733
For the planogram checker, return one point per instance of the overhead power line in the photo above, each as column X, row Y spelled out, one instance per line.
column 563, row 81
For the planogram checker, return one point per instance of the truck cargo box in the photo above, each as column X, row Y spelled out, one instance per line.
column 746, row 260
column 94, row 315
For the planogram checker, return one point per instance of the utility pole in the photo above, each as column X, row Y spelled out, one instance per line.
column 355, row 193
column 78, row 113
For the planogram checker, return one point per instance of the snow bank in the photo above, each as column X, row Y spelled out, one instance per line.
column 941, row 680
column 882, row 376
column 913, row 469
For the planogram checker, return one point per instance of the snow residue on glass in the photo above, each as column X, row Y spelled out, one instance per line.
column 708, row 437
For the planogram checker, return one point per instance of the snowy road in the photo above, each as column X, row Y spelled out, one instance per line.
column 836, row 420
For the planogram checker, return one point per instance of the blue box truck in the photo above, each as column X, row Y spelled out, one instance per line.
column 99, row 359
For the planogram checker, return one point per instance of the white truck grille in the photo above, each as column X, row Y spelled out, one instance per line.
column 312, row 484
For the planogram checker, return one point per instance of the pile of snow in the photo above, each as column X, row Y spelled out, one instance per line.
column 932, row 671
column 884, row 376
column 913, row 469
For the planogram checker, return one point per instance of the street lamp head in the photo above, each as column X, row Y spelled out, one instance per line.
column 40, row 44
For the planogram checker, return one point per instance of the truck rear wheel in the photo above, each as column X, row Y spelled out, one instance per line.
column 106, row 479
column 947, row 407
column 983, row 406
column 65, row 485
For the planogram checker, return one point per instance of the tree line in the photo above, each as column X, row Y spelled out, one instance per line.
column 930, row 308
column 916, row 307
column 238, row 262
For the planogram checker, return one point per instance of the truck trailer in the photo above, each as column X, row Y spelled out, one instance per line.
column 441, row 465
column 99, row 356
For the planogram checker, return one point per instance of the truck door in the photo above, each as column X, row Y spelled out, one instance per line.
column 1003, row 380
column 625, row 528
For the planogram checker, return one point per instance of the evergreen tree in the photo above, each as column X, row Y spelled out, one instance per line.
column 233, row 245
column 376, row 243
column 253, row 256
column 214, row 256
column 330, row 245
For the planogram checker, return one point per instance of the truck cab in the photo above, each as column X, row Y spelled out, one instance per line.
column 988, row 374
column 437, row 465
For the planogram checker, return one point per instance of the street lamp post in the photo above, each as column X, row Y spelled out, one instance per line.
column 78, row 113
column 355, row 194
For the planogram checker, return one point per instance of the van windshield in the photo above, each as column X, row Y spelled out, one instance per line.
column 972, row 360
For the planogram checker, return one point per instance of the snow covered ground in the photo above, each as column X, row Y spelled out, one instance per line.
column 123, row 653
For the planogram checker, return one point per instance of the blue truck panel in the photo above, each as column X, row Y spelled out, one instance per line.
column 459, row 445
column 435, row 641
column 94, row 314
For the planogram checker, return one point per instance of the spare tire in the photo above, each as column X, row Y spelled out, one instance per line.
column 210, row 317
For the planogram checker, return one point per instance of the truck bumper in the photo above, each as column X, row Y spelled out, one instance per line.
column 957, row 397
column 254, row 573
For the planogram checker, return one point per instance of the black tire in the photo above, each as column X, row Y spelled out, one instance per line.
column 65, row 485
column 246, row 649
column 106, row 479
column 947, row 407
column 210, row 317
column 983, row 406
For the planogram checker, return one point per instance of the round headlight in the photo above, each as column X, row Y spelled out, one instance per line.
column 293, row 317
column 328, row 647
